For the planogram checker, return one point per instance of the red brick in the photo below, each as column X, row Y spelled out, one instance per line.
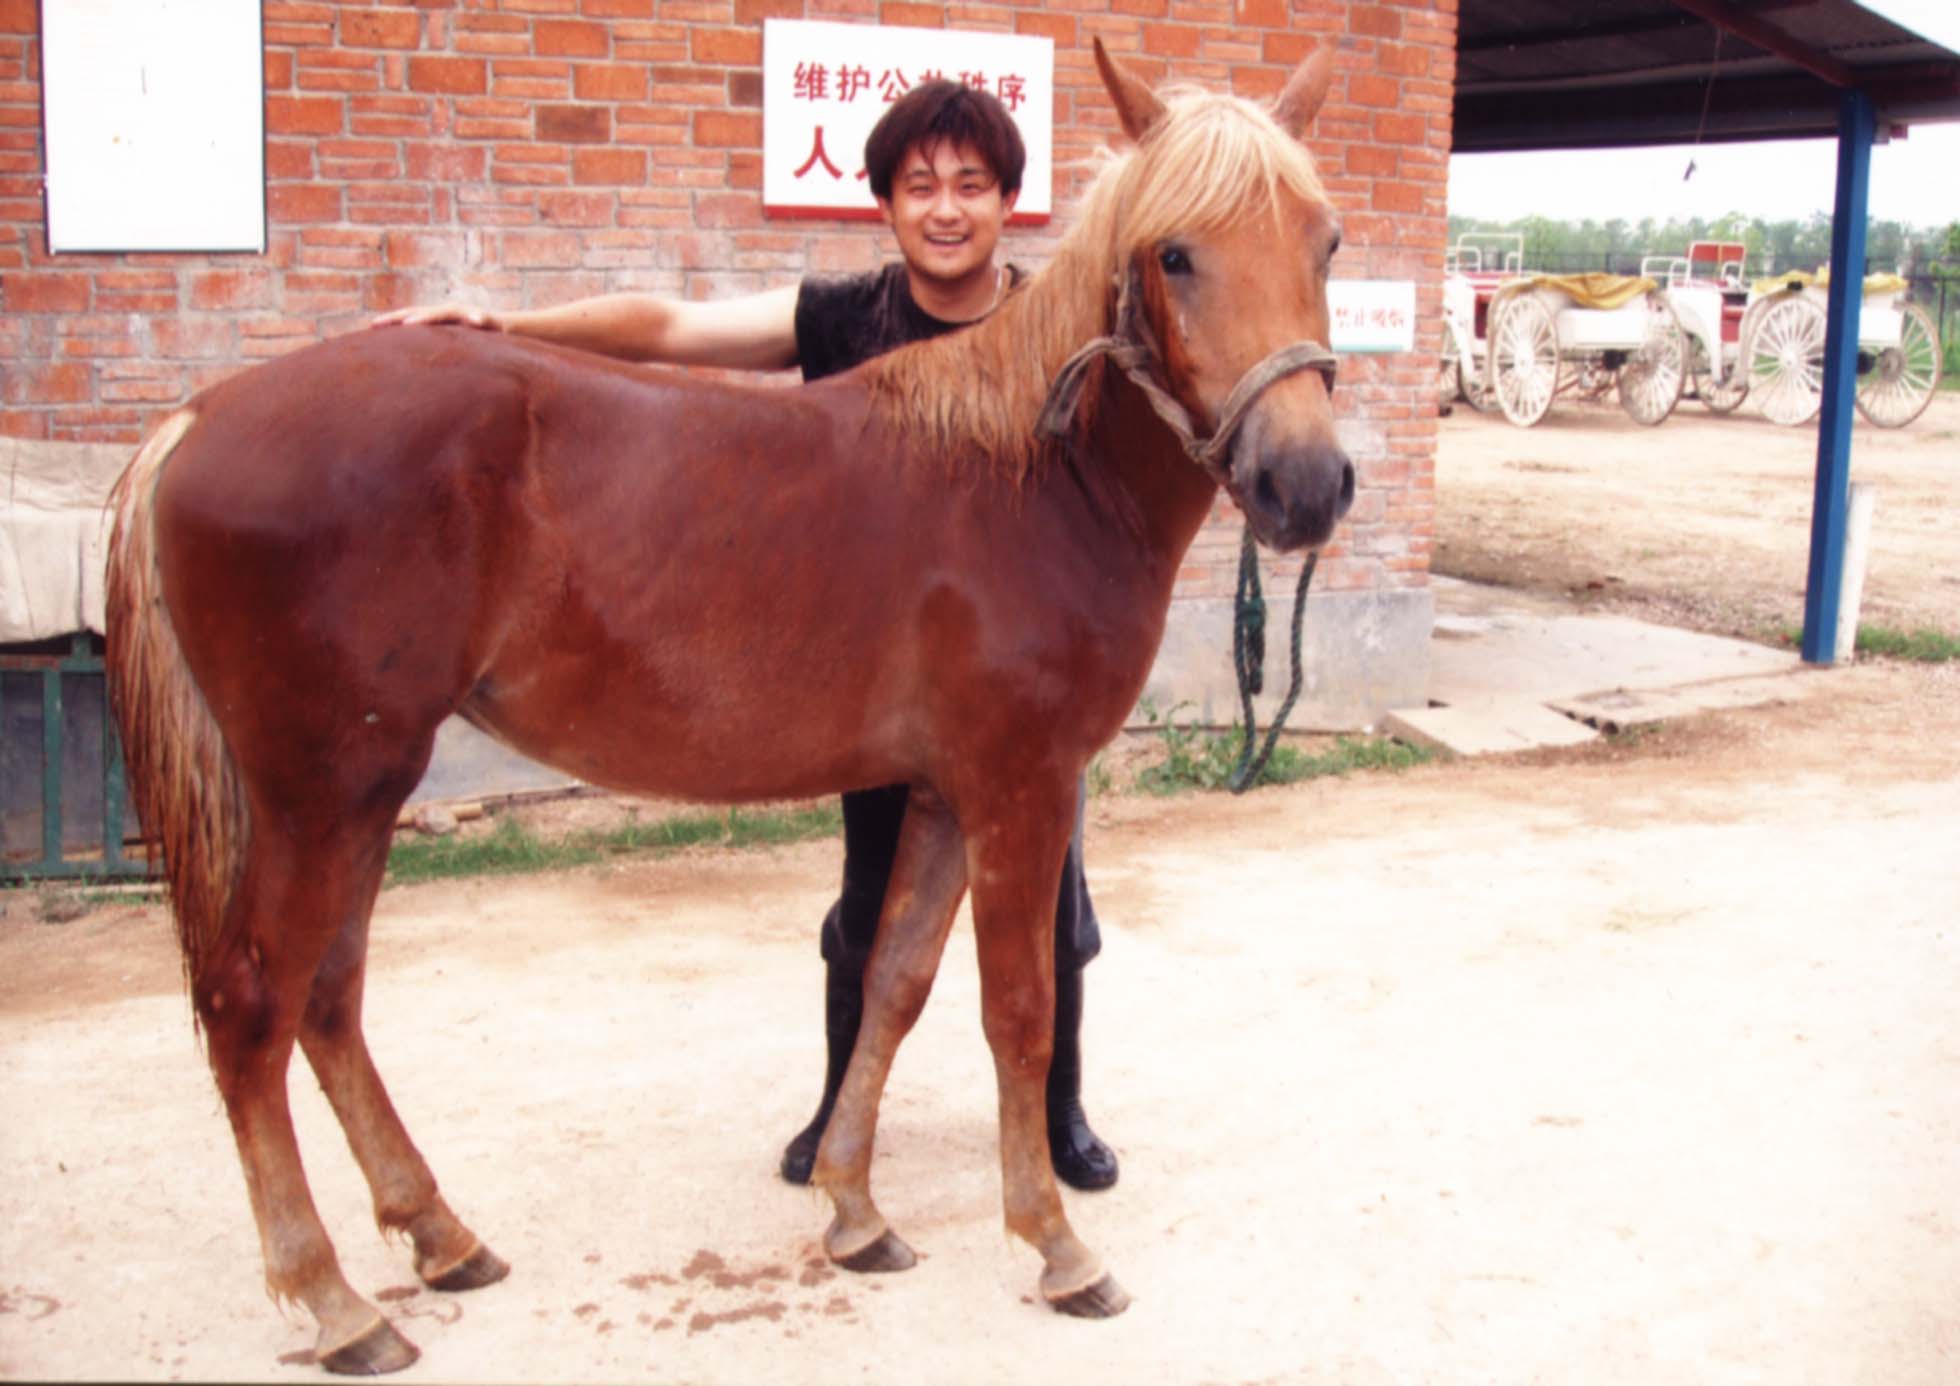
column 457, row 76
column 1377, row 21
column 1397, row 197
column 1405, row 60
column 23, row 423
column 1170, row 40
column 444, row 163
column 622, row 166
column 1400, row 129
column 231, row 288
column 278, row 70
column 609, row 82
column 59, row 382
column 181, row 338
column 618, row 9
column 1373, row 160
column 753, row 12
column 1371, row 89
column 905, row 15
column 380, row 29
column 727, row 130
column 45, row 293
column 745, row 89
column 20, row 17
column 290, row 203
column 539, row 250
column 574, row 124
column 304, row 115
column 726, row 47
column 288, row 159
column 575, row 208
column 1286, row 48
column 1059, row 27
column 572, row 38
column 1260, row 14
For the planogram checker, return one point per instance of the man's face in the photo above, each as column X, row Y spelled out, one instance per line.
column 947, row 211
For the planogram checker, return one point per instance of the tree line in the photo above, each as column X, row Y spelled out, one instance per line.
column 1617, row 245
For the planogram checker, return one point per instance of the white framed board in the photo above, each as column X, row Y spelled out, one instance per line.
column 154, row 115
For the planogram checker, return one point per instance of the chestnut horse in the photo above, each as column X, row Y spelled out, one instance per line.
column 617, row 571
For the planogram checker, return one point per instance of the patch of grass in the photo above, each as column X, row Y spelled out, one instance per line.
column 1924, row 646
column 1195, row 758
column 512, row 849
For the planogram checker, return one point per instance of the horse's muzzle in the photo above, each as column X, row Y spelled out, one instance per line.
column 1293, row 497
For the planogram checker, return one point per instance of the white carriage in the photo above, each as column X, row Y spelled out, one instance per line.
column 1765, row 341
column 1516, row 341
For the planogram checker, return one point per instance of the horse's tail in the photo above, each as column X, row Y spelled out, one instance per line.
column 181, row 775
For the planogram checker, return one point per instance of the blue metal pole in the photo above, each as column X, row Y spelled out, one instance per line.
column 1856, row 125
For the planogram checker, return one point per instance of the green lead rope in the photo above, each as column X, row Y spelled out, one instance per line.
column 1249, row 658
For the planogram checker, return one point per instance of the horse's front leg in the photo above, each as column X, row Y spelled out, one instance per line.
column 928, row 877
column 1016, row 862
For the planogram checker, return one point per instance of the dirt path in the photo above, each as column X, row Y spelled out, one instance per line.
column 1701, row 521
column 1630, row 1066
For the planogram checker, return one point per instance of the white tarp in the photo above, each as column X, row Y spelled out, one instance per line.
column 54, row 535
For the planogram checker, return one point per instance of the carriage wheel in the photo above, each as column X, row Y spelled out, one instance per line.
column 1523, row 365
column 1652, row 379
column 1900, row 384
column 1786, row 360
column 1721, row 396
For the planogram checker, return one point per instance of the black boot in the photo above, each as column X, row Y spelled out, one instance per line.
column 1081, row 1160
column 843, row 1008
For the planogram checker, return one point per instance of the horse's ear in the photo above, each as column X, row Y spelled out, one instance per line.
column 1305, row 90
column 1137, row 107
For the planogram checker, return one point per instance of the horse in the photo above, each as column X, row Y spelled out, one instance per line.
column 962, row 553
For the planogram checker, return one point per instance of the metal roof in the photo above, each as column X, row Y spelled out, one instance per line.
column 1555, row 74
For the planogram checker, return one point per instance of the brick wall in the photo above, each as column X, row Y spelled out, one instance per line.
column 523, row 152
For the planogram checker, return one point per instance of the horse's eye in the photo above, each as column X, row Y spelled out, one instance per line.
column 1174, row 260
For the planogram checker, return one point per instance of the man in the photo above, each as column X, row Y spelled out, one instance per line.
column 945, row 165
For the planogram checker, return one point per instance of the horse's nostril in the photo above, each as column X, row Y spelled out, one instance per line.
column 1264, row 490
column 1347, row 484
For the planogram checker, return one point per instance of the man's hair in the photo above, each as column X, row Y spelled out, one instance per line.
column 937, row 112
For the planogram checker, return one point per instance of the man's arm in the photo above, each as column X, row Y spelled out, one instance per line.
column 755, row 332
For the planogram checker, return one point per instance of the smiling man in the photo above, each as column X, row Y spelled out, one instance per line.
column 945, row 165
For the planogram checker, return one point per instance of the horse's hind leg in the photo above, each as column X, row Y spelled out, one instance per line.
column 447, row 1255
column 251, row 995
column 927, row 880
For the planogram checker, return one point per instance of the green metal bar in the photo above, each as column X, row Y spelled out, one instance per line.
column 50, row 766
column 113, row 860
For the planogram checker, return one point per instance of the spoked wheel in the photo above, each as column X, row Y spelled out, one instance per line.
column 1786, row 360
column 1902, row 378
column 1523, row 364
column 1721, row 396
column 1652, row 379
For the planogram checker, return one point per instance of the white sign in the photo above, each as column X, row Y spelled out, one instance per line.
column 825, row 85
column 154, row 124
column 1372, row 315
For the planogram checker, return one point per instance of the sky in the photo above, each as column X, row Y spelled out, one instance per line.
column 1915, row 180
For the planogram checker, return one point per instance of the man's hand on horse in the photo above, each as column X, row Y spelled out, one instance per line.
column 463, row 314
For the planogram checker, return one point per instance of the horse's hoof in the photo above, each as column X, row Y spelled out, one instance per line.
column 481, row 1267
column 1103, row 1300
column 888, row 1253
column 376, row 1352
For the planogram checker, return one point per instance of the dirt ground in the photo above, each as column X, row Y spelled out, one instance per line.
column 1702, row 521
column 1624, row 1065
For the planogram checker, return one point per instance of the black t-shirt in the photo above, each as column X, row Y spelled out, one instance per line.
column 841, row 323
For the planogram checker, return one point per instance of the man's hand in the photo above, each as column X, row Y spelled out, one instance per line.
column 461, row 314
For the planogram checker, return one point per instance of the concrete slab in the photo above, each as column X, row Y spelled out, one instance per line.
column 1509, row 671
column 1487, row 726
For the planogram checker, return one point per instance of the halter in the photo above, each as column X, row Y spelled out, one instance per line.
column 1134, row 350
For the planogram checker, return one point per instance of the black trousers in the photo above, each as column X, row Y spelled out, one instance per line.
column 872, row 818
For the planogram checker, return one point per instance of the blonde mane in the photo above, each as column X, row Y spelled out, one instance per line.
column 971, row 398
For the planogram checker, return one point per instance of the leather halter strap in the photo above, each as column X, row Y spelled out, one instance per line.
column 1133, row 349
